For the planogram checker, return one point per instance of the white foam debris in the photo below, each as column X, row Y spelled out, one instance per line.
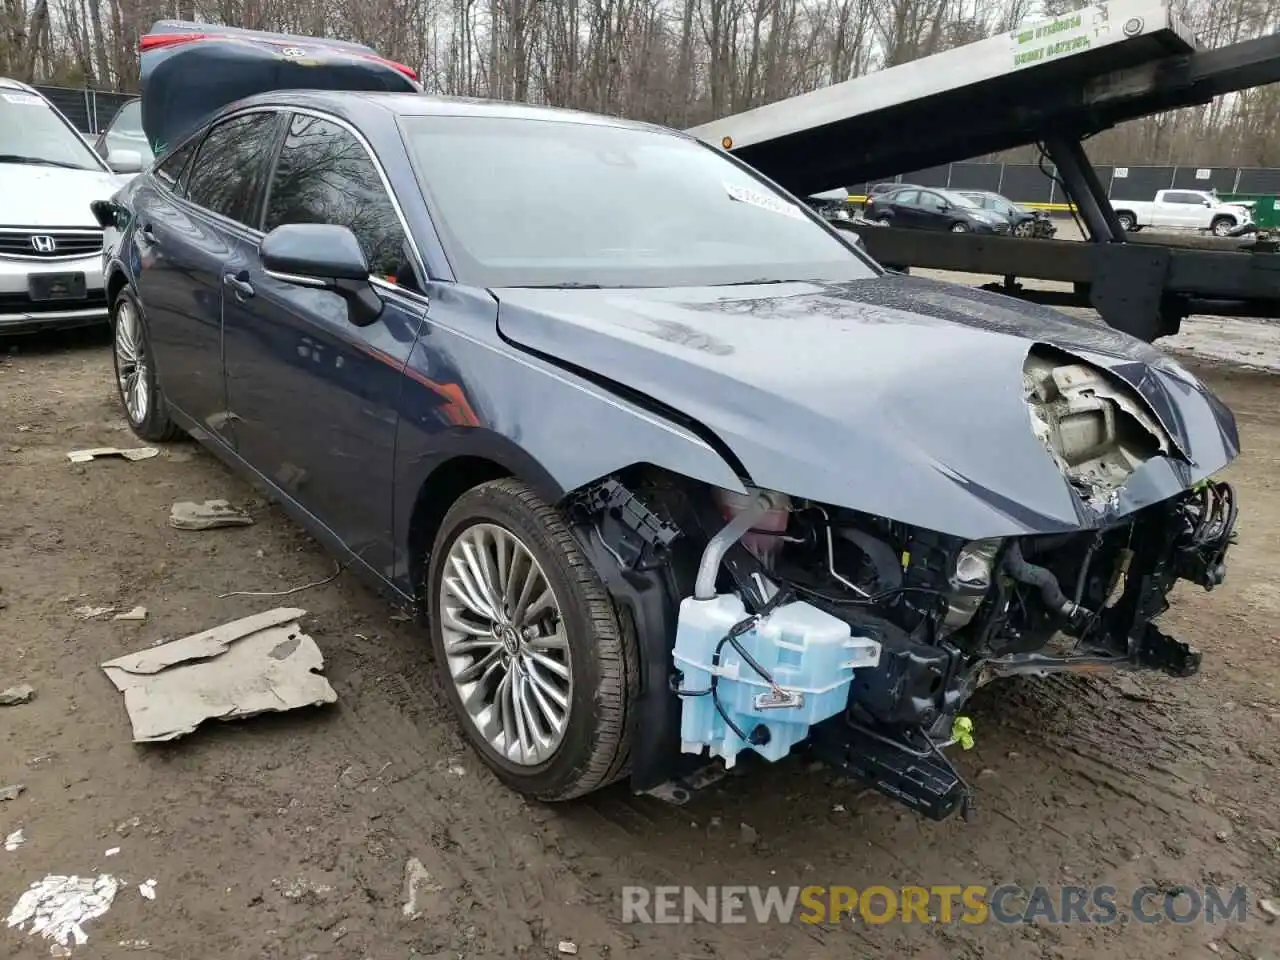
column 57, row 907
column 14, row 840
column 148, row 889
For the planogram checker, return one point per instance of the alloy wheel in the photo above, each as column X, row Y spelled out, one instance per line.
column 505, row 643
column 132, row 372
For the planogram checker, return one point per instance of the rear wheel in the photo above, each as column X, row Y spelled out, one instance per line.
column 528, row 645
column 136, row 382
column 884, row 220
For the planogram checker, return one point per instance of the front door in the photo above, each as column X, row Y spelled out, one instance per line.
column 932, row 211
column 314, row 396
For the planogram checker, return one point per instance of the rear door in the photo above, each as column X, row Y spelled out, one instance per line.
column 314, row 396
column 190, row 228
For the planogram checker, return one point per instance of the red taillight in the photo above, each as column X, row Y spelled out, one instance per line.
column 152, row 41
column 407, row 71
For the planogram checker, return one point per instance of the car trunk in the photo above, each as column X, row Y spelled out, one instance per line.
column 190, row 70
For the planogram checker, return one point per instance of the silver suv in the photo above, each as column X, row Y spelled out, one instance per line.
column 50, row 243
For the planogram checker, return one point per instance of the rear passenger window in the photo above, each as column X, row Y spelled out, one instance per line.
column 229, row 166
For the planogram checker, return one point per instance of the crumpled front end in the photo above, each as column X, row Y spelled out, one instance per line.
column 798, row 622
column 942, row 489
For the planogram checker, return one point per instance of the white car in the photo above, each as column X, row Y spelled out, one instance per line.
column 50, row 244
column 1182, row 210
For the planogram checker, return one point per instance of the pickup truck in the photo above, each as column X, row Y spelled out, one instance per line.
column 1184, row 210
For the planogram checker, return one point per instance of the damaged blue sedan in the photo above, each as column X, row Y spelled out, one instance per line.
column 674, row 473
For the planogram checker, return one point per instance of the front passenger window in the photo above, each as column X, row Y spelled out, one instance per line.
column 325, row 175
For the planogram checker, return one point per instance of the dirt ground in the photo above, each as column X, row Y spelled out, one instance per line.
column 287, row 836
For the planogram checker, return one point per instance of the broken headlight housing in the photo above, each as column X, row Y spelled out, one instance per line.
column 970, row 579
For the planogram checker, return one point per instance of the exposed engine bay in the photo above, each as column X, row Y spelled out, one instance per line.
column 864, row 637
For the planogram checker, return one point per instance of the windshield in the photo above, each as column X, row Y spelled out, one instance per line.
column 960, row 200
column 553, row 203
column 125, row 132
column 997, row 203
column 31, row 131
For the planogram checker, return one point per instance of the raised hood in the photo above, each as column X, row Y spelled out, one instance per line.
column 898, row 396
column 190, row 70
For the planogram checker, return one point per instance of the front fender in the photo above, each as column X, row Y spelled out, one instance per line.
column 470, row 394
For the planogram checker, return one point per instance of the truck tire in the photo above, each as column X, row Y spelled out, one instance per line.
column 1127, row 220
column 533, row 657
column 1222, row 226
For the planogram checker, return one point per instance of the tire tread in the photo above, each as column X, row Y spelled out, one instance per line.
column 616, row 648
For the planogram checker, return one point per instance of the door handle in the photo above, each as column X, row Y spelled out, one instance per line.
column 238, row 283
column 148, row 235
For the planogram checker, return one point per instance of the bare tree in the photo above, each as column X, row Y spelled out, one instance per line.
column 674, row 61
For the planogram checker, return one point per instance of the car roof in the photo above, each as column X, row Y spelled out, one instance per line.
column 352, row 102
column 10, row 84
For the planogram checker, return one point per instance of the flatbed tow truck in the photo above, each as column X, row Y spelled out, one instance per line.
column 1053, row 83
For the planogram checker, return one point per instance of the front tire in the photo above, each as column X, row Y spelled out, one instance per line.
column 959, row 227
column 528, row 645
column 137, row 385
column 1127, row 221
column 1222, row 226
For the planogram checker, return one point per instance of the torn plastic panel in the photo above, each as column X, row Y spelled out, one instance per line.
column 787, row 637
column 1097, row 433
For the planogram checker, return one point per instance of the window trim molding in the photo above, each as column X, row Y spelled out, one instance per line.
column 414, row 252
column 204, row 136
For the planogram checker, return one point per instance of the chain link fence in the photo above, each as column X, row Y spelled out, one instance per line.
column 89, row 110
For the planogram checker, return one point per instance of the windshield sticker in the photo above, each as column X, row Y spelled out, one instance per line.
column 763, row 201
column 26, row 99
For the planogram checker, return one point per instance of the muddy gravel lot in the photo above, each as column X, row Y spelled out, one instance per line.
column 287, row 836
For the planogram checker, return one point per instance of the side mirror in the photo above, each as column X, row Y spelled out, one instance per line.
column 106, row 213
column 323, row 256
column 124, row 161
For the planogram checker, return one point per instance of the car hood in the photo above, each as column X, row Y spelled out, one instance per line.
column 898, row 396
column 36, row 196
